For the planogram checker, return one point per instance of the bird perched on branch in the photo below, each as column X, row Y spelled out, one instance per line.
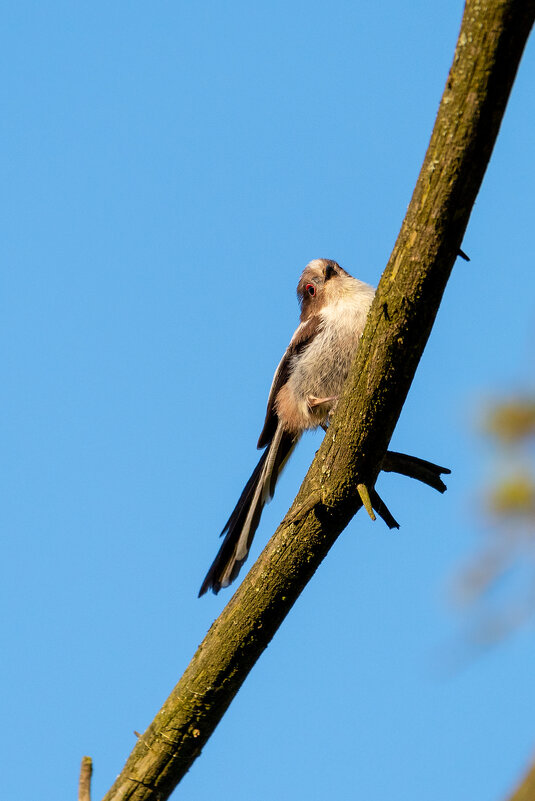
column 304, row 393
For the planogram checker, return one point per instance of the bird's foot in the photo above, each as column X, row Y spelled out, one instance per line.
column 313, row 402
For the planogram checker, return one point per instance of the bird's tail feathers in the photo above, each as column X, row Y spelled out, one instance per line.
column 241, row 526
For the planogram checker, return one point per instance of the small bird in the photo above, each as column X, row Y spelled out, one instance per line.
column 303, row 395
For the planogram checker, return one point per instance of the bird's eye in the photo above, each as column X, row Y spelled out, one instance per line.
column 311, row 289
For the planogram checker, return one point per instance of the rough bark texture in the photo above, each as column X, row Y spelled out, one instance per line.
column 491, row 41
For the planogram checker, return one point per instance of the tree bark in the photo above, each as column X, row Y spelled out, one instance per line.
column 491, row 40
column 84, row 783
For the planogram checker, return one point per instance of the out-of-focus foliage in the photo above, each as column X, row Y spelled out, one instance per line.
column 512, row 421
column 498, row 584
column 513, row 496
column 511, row 427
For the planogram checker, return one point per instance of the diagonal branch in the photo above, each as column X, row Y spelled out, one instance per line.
column 490, row 45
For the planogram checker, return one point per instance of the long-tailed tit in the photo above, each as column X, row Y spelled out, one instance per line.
column 304, row 393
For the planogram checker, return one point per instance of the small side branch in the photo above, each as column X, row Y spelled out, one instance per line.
column 84, row 784
column 416, row 468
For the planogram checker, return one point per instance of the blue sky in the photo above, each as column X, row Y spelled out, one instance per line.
column 168, row 170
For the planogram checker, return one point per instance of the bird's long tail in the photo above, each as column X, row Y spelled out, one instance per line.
column 243, row 522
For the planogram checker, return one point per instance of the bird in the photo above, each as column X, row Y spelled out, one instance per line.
column 304, row 393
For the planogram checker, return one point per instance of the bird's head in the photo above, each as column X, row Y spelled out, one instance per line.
column 322, row 282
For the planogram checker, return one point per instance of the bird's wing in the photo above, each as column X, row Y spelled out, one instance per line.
column 304, row 334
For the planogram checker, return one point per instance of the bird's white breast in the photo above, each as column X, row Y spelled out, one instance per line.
column 320, row 369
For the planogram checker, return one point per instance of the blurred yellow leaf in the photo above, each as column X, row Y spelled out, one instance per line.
column 513, row 420
column 514, row 496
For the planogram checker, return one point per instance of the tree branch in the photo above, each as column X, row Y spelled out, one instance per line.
column 84, row 783
column 489, row 48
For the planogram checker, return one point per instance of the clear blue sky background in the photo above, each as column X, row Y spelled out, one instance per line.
column 167, row 171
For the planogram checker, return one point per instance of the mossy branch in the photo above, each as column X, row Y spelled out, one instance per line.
column 489, row 48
